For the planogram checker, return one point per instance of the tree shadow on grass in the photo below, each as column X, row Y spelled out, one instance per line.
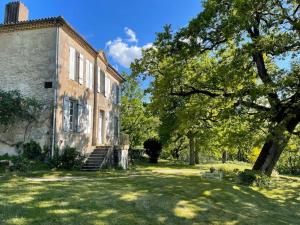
column 146, row 199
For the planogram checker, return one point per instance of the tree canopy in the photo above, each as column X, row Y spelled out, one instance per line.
column 226, row 65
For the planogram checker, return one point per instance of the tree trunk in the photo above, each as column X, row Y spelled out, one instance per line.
column 192, row 149
column 274, row 146
column 224, row 157
column 197, row 151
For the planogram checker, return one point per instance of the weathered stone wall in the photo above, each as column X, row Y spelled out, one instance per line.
column 80, row 140
column 27, row 61
column 73, row 89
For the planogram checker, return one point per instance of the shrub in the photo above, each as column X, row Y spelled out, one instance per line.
column 153, row 148
column 212, row 169
column 32, row 150
column 256, row 178
column 69, row 159
column 21, row 164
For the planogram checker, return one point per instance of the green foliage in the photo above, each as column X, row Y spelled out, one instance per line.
column 68, row 158
column 14, row 107
column 252, row 156
column 256, row 178
column 32, row 150
column 21, row 164
column 153, row 149
column 220, row 77
column 137, row 121
column 289, row 162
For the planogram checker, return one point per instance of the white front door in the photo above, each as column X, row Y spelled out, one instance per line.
column 100, row 128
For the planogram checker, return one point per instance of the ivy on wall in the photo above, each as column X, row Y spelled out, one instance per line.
column 14, row 107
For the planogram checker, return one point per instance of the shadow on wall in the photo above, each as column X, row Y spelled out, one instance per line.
column 12, row 136
column 81, row 137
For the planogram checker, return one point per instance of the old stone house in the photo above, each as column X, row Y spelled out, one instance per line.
column 80, row 91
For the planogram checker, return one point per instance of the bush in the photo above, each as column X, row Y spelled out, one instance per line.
column 153, row 148
column 21, row 164
column 256, row 178
column 32, row 150
column 69, row 158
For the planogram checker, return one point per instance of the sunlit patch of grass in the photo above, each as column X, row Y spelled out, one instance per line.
column 63, row 211
column 106, row 213
column 185, row 209
column 131, row 196
column 17, row 221
column 166, row 193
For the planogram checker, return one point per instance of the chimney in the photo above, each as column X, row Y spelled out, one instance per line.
column 15, row 12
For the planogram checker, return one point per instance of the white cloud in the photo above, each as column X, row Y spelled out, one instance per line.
column 125, row 52
column 131, row 34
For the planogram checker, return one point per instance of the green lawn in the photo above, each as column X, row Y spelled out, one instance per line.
column 163, row 194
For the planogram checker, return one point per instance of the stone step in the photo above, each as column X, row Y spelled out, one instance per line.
column 97, row 157
column 99, row 152
column 89, row 169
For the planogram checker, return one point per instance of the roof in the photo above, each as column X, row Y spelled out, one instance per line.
column 57, row 22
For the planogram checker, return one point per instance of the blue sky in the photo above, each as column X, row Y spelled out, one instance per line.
column 120, row 27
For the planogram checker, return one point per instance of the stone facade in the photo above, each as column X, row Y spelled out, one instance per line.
column 35, row 52
column 27, row 61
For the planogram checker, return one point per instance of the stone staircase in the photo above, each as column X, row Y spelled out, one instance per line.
column 96, row 159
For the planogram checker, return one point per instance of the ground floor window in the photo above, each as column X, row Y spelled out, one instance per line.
column 73, row 115
column 116, row 127
column 77, row 116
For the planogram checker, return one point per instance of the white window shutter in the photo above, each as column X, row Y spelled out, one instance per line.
column 80, row 118
column 107, row 125
column 98, row 79
column 107, row 86
column 87, row 73
column 111, row 118
column 90, row 118
column 72, row 59
column 91, row 75
column 81, row 69
column 86, row 119
column 106, row 82
column 66, row 114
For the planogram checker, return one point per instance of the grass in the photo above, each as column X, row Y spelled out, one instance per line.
column 166, row 193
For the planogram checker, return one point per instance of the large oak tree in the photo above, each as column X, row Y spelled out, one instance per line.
column 230, row 56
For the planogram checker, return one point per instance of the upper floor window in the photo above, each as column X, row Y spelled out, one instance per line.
column 89, row 72
column 76, row 66
column 107, row 86
column 102, row 82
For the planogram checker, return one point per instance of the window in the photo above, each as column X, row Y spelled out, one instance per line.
column 118, row 94
column 76, row 117
column 98, row 79
column 116, row 127
column 70, row 114
column 102, row 82
column 48, row 85
column 76, row 64
column 73, row 115
column 81, row 69
column 107, row 86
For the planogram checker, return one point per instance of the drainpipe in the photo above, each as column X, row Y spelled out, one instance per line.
column 55, row 94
